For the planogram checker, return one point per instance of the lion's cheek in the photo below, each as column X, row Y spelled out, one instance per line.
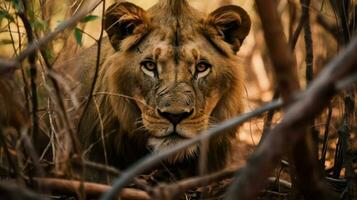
column 212, row 101
column 140, row 102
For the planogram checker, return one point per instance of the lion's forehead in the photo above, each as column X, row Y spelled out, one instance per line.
column 189, row 51
column 183, row 42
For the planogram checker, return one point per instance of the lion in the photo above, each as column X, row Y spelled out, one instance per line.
column 165, row 75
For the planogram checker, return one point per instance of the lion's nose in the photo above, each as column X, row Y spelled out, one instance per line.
column 175, row 118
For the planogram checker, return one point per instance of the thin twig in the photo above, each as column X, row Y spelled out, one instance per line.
column 325, row 141
column 102, row 135
column 90, row 95
column 15, row 170
column 333, row 30
column 33, row 70
column 253, row 176
column 10, row 65
column 174, row 190
column 305, row 4
column 269, row 118
column 11, row 190
column 302, row 158
column 138, row 182
column 97, row 166
column 304, row 18
column 30, row 150
column 91, row 189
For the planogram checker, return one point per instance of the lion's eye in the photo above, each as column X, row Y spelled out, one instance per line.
column 149, row 65
column 202, row 67
column 149, row 68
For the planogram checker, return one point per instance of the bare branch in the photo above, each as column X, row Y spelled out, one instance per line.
column 10, row 190
column 173, row 191
column 254, row 175
column 281, row 55
column 284, row 65
column 305, row 5
column 9, row 65
column 94, row 81
column 33, row 70
column 96, row 166
column 90, row 189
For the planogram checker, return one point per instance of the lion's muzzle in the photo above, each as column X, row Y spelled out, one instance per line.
column 175, row 118
column 176, row 103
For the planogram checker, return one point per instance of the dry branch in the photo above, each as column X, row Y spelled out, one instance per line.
column 72, row 187
column 305, row 6
column 10, row 190
column 173, row 191
column 304, row 160
column 333, row 30
column 253, row 176
column 97, row 166
column 33, row 70
column 12, row 114
column 9, row 65
column 34, row 94
column 94, row 81
column 281, row 55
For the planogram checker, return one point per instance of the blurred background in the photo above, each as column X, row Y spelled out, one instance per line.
column 259, row 85
column 46, row 15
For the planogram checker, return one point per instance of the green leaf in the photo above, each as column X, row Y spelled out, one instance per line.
column 5, row 41
column 78, row 34
column 49, row 54
column 89, row 18
column 17, row 5
column 39, row 24
column 5, row 14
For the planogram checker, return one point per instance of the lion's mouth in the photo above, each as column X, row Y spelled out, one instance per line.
column 157, row 143
column 172, row 136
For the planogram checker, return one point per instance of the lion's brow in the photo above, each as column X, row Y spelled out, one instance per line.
column 157, row 53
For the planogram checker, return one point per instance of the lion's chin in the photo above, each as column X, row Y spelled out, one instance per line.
column 160, row 144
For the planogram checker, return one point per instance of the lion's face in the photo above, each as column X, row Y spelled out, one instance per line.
column 179, row 71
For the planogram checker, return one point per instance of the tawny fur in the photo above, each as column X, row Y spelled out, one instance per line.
column 127, row 98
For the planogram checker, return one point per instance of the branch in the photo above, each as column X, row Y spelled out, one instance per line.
column 333, row 30
column 253, row 176
column 155, row 158
column 10, row 65
column 91, row 189
column 302, row 156
column 97, row 166
column 9, row 190
column 34, row 102
column 325, row 140
column 305, row 152
column 94, row 81
column 33, row 69
column 294, row 38
column 305, row 6
column 139, row 183
column 173, row 191
column 280, row 53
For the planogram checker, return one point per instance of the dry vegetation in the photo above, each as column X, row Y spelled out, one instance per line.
column 304, row 148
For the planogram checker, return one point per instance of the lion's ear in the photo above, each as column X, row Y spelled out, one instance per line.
column 232, row 23
column 123, row 20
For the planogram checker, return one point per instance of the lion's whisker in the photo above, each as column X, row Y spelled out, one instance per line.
column 120, row 95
